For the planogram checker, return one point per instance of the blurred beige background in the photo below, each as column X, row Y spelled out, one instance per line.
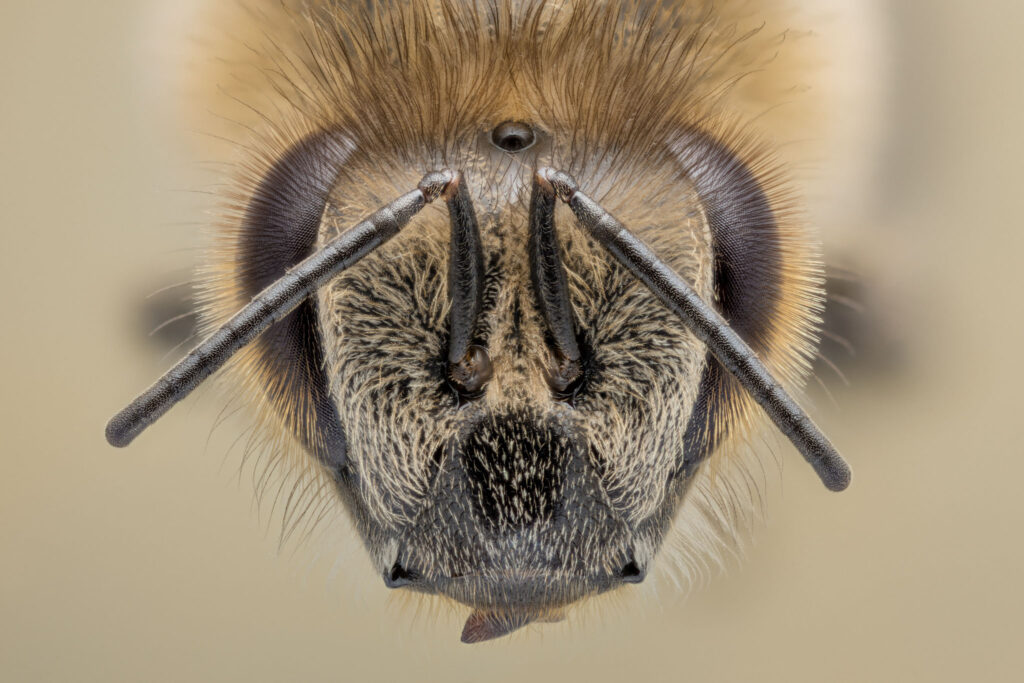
column 154, row 564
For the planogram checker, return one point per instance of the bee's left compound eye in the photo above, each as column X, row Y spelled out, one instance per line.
column 470, row 375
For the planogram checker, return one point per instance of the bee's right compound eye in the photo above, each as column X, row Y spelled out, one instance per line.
column 470, row 375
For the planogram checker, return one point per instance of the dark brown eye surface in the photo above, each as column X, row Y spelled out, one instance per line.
column 279, row 230
column 513, row 136
column 748, row 269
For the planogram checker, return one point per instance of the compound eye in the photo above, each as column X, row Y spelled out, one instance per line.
column 470, row 375
column 513, row 136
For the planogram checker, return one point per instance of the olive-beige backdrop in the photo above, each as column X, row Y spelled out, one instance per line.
column 154, row 564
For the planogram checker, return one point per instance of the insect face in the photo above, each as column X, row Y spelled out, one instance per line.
column 513, row 394
column 519, row 497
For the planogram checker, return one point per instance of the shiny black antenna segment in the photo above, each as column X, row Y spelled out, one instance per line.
column 270, row 306
column 465, row 270
column 705, row 322
column 550, row 285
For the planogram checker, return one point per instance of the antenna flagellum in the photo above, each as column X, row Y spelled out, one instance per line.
column 706, row 323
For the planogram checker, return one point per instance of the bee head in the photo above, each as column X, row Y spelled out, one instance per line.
column 511, row 413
